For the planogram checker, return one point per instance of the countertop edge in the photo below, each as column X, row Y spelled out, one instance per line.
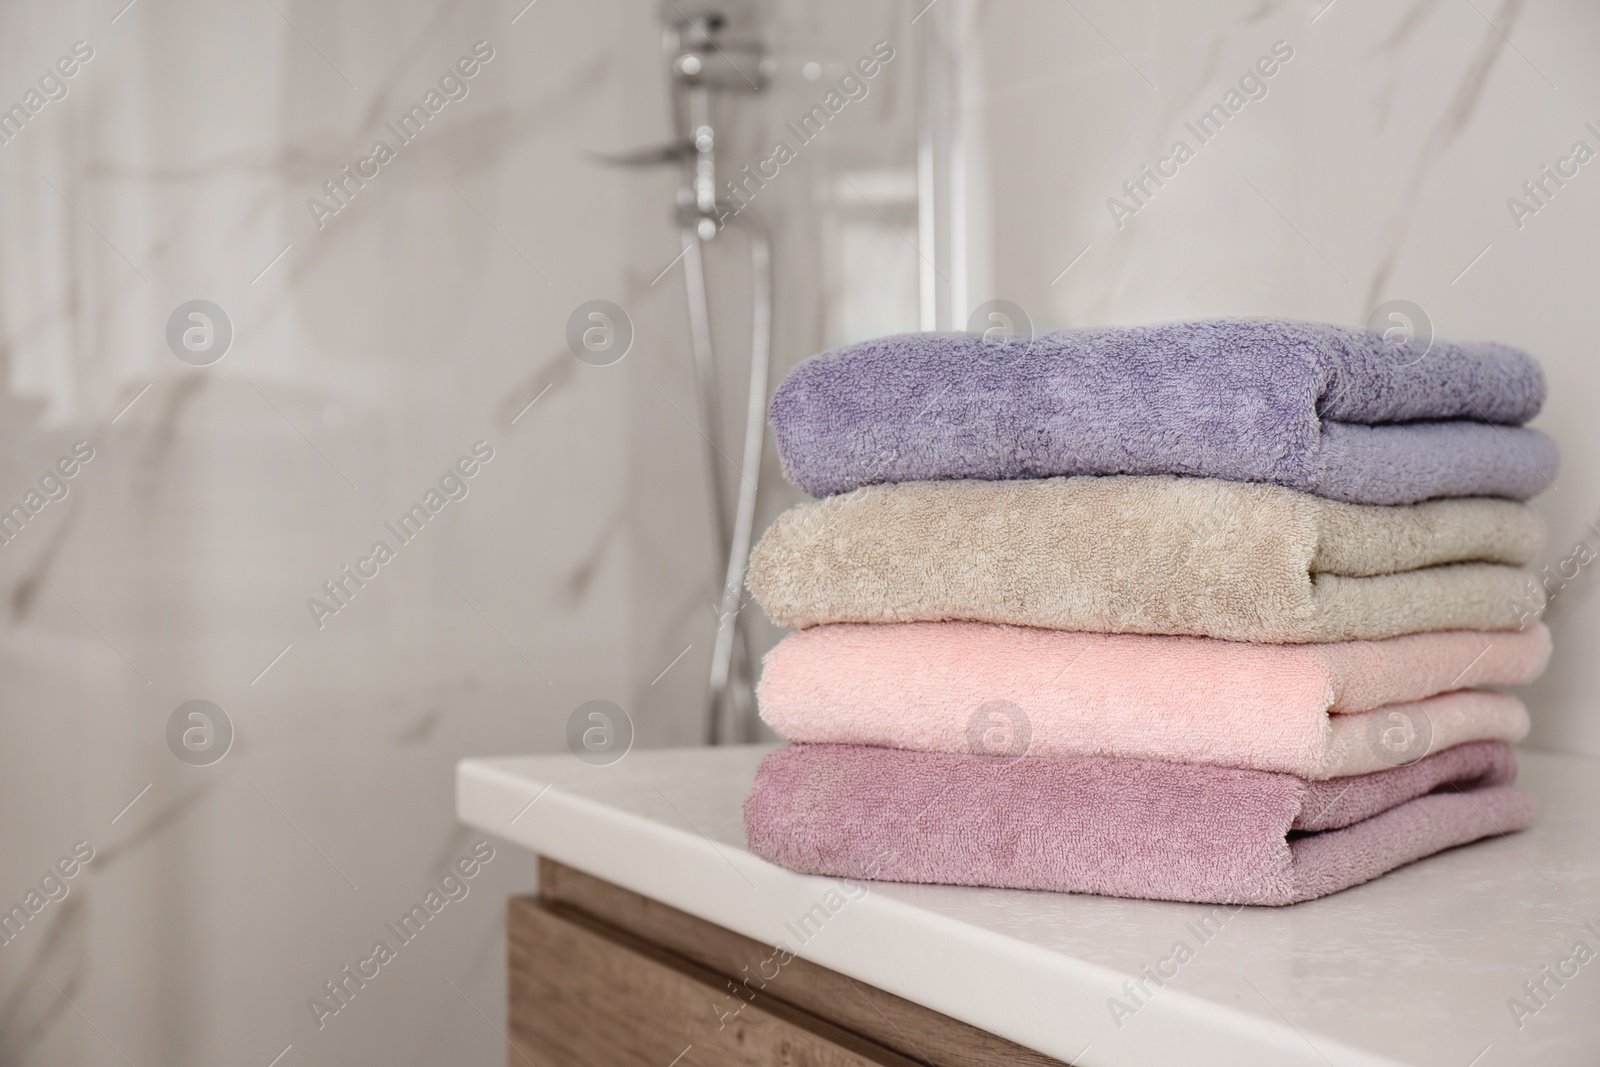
column 585, row 834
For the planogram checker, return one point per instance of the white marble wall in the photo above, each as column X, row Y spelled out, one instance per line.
column 424, row 316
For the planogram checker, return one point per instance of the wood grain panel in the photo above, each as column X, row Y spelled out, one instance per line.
column 914, row 1031
column 585, row 995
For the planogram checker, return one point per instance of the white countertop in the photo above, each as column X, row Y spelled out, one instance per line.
column 1415, row 968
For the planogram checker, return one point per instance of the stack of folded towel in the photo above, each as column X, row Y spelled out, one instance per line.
column 1198, row 611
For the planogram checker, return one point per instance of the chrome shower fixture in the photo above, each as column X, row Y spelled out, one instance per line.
column 705, row 64
column 703, row 55
column 704, row 61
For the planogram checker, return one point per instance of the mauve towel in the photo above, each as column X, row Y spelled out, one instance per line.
column 1317, row 711
column 1154, row 555
column 1330, row 410
column 1127, row 828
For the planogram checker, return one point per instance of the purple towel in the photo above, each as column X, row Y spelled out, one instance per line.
column 1330, row 410
column 1120, row 827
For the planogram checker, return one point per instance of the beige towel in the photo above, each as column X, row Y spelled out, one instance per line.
column 1151, row 555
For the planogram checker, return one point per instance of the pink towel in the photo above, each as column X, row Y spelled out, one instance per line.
column 1119, row 827
column 1316, row 711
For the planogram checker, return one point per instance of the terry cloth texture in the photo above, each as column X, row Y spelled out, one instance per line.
column 1129, row 828
column 1155, row 555
column 1333, row 411
column 1317, row 711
